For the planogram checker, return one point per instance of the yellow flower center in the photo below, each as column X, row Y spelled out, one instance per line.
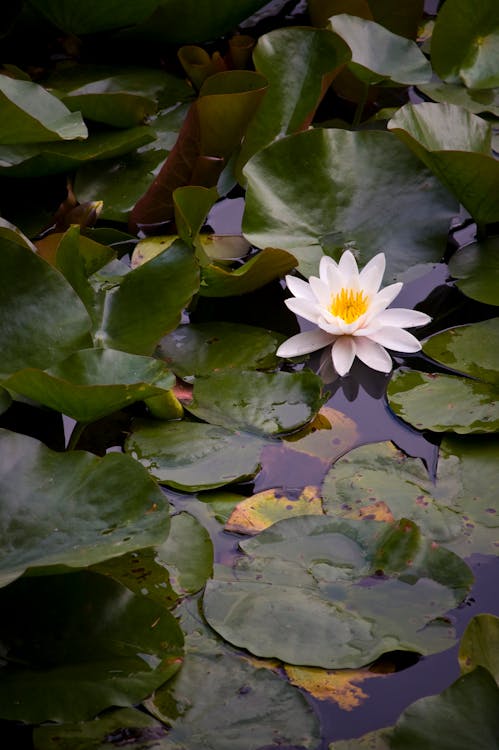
column 348, row 305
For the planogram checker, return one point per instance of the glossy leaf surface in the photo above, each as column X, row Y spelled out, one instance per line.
column 476, row 270
column 192, row 456
column 94, row 382
column 293, row 200
column 72, row 509
column 204, row 348
column 455, row 145
column 34, row 298
column 465, row 43
column 265, row 403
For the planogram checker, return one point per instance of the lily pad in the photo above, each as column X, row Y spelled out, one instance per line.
column 205, row 348
column 187, row 554
column 299, row 64
column 93, row 383
column 465, row 42
column 476, row 270
column 378, row 54
column 38, row 159
column 380, row 482
column 265, row 403
column 147, row 302
column 120, row 97
column 73, row 18
column 463, row 716
column 307, row 192
column 479, row 645
column 72, row 509
column 240, row 705
column 447, row 402
column 34, row 298
column 474, row 100
column 267, row 265
column 30, row 114
column 193, row 456
column 256, row 513
column 96, row 645
column 322, row 592
column 455, row 145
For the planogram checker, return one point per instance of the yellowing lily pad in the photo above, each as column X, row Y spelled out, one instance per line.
column 340, row 686
column 265, row 508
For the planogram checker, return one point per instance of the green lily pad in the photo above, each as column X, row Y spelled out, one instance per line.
column 462, row 717
column 30, row 114
column 204, row 348
column 12, row 233
column 305, row 211
column 120, row 97
column 34, row 298
column 72, row 509
column 147, row 303
column 479, row 645
column 459, row 510
column 38, row 159
column 378, row 54
column 299, row 64
column 444, row 403
column 465, row 43
column 241, row 705
column 187, row 554
column 476, row 270
column 93, row 383
column 377, row 740
column 267, row 265
column 456, row 146
column 96, row 645
column 474, row 100
column 265, row 403
column 193, row 456
column 100, row 733
column 378, row 481
column 447, row 402
column 324, row 592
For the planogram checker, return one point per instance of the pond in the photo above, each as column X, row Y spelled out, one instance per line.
column 248, row 391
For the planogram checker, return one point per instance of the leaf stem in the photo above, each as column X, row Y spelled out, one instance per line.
column 75, row 435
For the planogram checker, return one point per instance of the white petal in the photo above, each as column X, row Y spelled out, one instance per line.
column 304, row 343
column 347, row 266
column 300, row 288
column 343, row 354
column 402, row 318
column 371, row 276
column 330, row 324
column 321, row 291
column 327, row 266
column 382, row 299
column 396, row 339
column 373, row 355
column 304, row 307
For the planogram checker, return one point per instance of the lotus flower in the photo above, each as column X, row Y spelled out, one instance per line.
column 349, row 310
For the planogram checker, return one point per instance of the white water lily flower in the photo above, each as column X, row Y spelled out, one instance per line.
column 350, row 313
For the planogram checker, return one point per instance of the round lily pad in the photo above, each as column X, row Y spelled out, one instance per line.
column 324, row 592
